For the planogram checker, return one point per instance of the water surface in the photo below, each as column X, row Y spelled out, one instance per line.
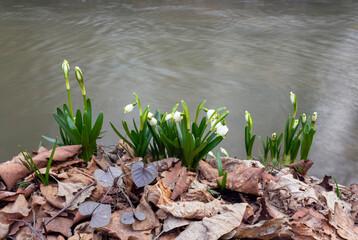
column 245, row 55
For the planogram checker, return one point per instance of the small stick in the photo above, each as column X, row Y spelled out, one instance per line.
column 29, row 225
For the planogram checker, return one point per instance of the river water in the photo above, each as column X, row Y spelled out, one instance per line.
column 245, row 55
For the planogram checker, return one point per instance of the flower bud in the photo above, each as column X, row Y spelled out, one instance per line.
column 314, row 117
column 274, row 136
column 211, row 154
column 79, row 78
column 224, row 152
column 177, row 116
column 303, row 118
column 293, row 97
column 295, row 123
column 247, row 116
column 128, row 108
column 65, row 68
column 222, row 130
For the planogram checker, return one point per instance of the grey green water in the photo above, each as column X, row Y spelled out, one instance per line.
column 245, row 55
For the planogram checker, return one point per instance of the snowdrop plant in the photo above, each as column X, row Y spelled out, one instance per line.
column 221, row 184
column 138, row 138
column 78, row 130
column 191, row 141
column 249, row 139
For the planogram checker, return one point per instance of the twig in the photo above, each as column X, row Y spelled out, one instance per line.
column 29, row 225
column 69, row 204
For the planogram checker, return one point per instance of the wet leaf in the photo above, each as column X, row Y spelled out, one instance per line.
column 143, row 175
column 101, row 213
column 106, row 178
column 127, row 218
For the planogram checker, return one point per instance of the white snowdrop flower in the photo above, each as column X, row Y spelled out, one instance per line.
column 314, row 117
column 150, row 115
column 247, row 116
column 218, row 125
column 153, row 122
column 209, row 113
column 211, row 154
column 304, row 118
column 222, row 130
column 177, row 116
column 295, row 123
column 128, row 108
column 224, row 152
column 292, row 97
column 169, row 116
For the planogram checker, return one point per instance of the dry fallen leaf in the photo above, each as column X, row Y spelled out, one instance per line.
column 116, row 228
column 15, row 210
column 150, row 221
column 216, row 226
column 182, row 184
column 344, row 224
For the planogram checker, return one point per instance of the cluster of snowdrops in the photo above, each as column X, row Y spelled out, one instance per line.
column 157, row 136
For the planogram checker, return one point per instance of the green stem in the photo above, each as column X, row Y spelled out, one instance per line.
column 286, row 159
column 70, row 103
column 84, row 102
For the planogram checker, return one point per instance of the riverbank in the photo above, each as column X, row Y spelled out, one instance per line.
column 178, row 204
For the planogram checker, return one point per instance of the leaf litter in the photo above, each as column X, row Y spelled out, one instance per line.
column 124, row 198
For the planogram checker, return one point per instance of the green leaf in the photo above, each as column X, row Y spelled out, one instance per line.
column 89, row 112
column 78, row 121
column 49, row 163
column 120, row 135
column 67, row 129
column 96, row 129
column 220, row 165
column 74, row 129
column 198, row 110
column 186, row 114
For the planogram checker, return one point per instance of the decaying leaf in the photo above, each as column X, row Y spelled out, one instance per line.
column 143, row 175
column 301, row 166
column 172, row 222
column 101, row 213
column 182, row 185
column 265, row 230
column 344, row 224
column 245, row 180
column 171, row 176
column 116, row 228
column 165, row 164
column 15, row 210
column 149, row 221
column 212, row 228
column 60, row 225
column 106, row 179
column 190, row 210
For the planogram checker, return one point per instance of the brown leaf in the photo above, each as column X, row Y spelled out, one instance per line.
column 216, row 226
column 68, row 191
column 150, row 221
column 182, row 184
column 68, row 163
column 245, row 180
column 156, row 193
column 301, row 166
column 199, row 195
column 270, row 229
column 26, row 192
column 325, row 183
column 50, row 194
column 60, row 225
column 190, row 210
column 171, row 177
column 171, row 223
column 345, row 225
column 15, row 210
column 62, row 153
column 308, row 222
column 207, row 171
column 116, row 228
column 165, row 164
